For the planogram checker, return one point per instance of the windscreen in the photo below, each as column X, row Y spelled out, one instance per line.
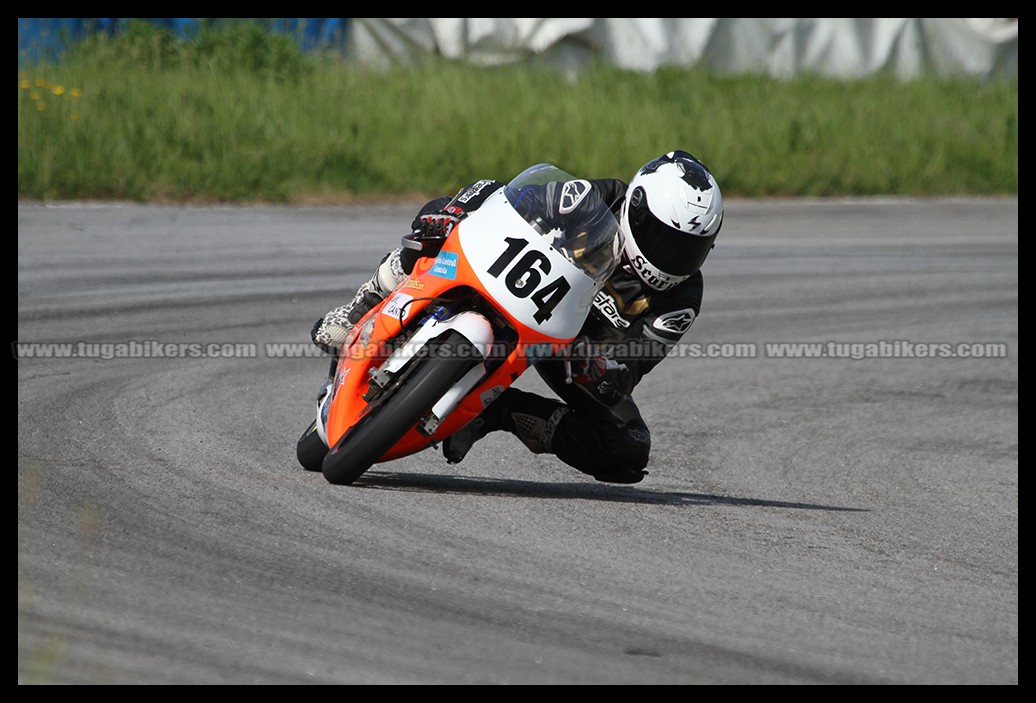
column 573, row 217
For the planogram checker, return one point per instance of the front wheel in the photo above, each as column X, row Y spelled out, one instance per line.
column 449, row 358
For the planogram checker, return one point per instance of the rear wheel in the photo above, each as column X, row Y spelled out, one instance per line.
column 311, row 450
column 447, row 360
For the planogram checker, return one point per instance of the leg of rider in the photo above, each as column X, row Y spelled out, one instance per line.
column 609, row 442
column 330, row 332
column 528, row 416
column 601, row 445
column 610, row 446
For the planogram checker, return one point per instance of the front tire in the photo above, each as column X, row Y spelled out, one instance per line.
column 449, row 358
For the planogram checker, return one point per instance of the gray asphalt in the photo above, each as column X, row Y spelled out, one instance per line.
column 850, row 518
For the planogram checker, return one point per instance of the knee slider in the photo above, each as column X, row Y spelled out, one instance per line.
column 630, row 447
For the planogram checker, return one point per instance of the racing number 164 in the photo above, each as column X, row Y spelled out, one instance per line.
column 523, row 278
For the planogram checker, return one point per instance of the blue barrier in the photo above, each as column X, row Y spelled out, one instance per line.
column 44, row 38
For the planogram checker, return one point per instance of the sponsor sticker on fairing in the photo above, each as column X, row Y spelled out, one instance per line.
column 445, row 265
column 399, row 307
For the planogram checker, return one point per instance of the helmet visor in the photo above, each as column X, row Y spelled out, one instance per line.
column 668, row 249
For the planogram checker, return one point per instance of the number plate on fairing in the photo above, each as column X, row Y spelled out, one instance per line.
column 531, row 279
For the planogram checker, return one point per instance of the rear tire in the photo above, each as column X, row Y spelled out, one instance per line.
column 448, row 358
column 311, row 450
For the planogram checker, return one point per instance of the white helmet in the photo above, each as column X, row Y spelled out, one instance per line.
column 670, row 218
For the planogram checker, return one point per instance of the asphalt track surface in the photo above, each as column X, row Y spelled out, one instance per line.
column 850, row 518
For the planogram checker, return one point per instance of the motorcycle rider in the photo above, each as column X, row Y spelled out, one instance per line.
column 669, row 215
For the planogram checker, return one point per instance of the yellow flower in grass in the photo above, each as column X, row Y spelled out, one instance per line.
column 25, row 84
column 76, row 92
column 35, row 95
column 59, row 90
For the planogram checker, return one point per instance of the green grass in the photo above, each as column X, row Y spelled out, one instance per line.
column 236, row 114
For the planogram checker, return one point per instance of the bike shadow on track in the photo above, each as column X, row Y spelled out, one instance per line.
column 437, row 483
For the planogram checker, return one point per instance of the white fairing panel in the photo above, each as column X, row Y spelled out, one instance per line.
column 525, row 275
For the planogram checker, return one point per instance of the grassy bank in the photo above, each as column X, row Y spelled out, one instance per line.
column 237, row 115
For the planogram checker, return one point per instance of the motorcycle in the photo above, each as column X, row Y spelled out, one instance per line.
column 483, row 305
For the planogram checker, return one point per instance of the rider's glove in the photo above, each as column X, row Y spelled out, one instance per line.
column 437, row 224
column 616, row 385
column 585, row 367
column 606, row 379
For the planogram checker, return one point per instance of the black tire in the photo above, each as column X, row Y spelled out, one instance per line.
column 311, row 450
column 449, row 357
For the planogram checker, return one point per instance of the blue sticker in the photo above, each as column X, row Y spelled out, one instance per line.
column 445, row 265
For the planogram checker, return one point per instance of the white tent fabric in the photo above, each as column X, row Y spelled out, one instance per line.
column 779, row 47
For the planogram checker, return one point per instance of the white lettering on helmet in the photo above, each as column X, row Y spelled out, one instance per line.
column 659, row 280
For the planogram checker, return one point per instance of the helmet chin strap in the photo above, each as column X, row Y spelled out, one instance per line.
column 654, row 278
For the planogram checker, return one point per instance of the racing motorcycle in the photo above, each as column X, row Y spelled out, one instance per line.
column 504, row 289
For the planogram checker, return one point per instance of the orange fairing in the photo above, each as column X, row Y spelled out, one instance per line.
column 373, row 338
column 529, row 294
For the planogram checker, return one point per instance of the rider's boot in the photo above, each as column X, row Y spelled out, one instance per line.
column 529, row 417
column 330, row 332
